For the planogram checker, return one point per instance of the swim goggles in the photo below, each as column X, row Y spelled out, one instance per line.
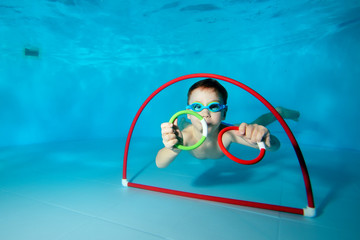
column 212, row 107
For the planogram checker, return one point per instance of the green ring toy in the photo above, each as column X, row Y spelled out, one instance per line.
column 204, row 129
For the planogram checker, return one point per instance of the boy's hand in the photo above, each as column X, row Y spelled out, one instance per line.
column 171, row 135
column 254, row 133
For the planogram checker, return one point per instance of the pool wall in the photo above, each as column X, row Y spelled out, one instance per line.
column 97, row 63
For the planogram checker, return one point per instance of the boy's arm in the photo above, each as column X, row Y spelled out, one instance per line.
column 251, row 134
column 165, row 156
column 171, row 135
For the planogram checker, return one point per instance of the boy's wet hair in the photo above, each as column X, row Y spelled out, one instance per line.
column 212, row 84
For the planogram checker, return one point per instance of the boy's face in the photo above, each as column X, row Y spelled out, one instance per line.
column 206, row 96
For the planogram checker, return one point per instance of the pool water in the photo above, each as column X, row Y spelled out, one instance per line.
column 73, row 74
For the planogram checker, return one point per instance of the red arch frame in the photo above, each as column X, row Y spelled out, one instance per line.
column 308, row 211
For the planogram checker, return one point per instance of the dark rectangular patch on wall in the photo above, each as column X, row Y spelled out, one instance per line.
column 31, row 52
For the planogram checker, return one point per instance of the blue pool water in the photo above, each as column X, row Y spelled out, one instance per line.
column 73, row 74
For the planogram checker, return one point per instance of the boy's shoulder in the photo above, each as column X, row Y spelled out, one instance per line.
column 224, row 125
column 188, row 134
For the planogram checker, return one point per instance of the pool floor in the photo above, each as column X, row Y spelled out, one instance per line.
column 73, row 190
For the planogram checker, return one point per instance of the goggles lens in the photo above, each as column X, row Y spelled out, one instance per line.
column 212, row 107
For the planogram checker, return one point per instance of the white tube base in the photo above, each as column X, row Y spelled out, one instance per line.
column 309, row 212
column 124, row 182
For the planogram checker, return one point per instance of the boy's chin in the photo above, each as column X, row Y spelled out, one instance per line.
column 210, row 128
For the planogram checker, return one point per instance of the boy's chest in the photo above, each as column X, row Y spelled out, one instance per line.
column 208, row 150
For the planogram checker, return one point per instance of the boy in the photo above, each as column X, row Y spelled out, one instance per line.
column 208, row 97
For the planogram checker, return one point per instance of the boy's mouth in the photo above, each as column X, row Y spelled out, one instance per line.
column 209, row 124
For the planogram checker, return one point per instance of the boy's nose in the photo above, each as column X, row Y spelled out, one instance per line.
column 205, row 113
